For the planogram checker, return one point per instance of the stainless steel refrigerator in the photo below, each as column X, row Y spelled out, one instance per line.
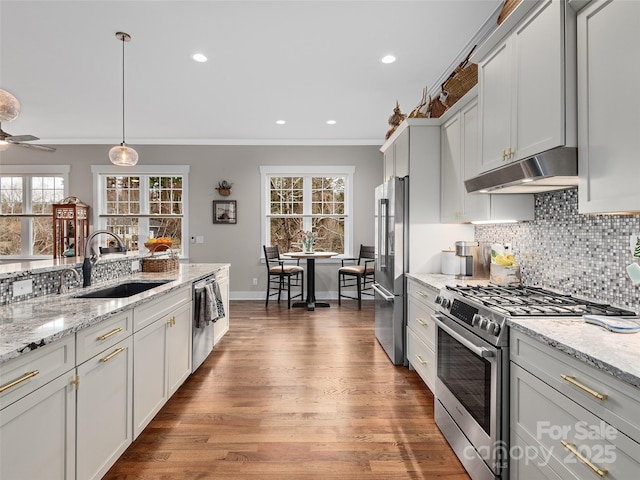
column 392, row 262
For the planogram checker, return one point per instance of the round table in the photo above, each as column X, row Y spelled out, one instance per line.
column 310, row 302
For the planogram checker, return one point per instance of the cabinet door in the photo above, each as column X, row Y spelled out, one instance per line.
column 178, row 347
column 388, row 163
column 150, row 374
column 37, row 433
column 221, row 326
column 475, row 206
column 495, row 103
column 104, row 400
column 451, row 180
column 608, row 107
column 539, row 94
column 402, row 152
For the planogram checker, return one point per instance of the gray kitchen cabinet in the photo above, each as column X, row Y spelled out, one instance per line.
column 421, row 331
column 608, row 107
column 396, row 153
column 526, row 86
column 459, row 153
column 104, row 405
column 38, row 414
column 578, row 420
column 162, row 353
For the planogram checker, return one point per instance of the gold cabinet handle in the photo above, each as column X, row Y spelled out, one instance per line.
column 421, row 293
column 601, row 472
column 504, row 155
column 18, row 381
column 110, row 334
column 421, row 322
column 584, row 388
column 112, row 354
column 421, row 360
column 172, row 321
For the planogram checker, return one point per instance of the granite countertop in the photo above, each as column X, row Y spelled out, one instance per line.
column 615, row 353
column 30, row 324
column 439, row 280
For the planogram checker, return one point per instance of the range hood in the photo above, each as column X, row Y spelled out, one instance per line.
column 555, row 169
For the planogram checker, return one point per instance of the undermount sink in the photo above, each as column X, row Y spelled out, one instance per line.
column 123, row 290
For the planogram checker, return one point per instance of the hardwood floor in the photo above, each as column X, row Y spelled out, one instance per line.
column 291, row 394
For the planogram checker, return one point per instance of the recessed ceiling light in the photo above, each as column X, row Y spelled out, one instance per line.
column 388, row 59
column 331, row 122
column 280, row 122
column 199, row 57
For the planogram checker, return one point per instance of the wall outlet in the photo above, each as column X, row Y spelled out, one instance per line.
column 199, row 238
column 22, row 287
column 135, row 265
column 255, row 281
column 634, row 243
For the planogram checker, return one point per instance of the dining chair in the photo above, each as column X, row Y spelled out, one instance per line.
column 360, row 274
column 278, row 271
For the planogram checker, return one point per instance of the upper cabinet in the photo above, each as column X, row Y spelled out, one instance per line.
column 526, row 85
column 609, row 107
column 405, row 143
column 458, row 155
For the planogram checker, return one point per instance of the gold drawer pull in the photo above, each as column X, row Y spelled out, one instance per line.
column 601, row 472
column 110, row 334
column 584, row 388
column 421, row 360
column 23, row 378
column 421, row 293
column 112, row 354
column 421, row 322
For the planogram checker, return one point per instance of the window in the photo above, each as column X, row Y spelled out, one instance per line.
column 317, row 199
column 141, row 202
column 27, row 194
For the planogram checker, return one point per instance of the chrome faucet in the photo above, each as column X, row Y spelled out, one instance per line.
column 90, row 260
column 62, row 288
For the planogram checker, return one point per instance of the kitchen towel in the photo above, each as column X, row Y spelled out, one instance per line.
column 209, row 306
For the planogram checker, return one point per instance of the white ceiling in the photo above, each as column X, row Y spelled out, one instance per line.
column 302, row 61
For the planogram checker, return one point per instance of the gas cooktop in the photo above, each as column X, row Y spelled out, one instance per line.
column 534, row 302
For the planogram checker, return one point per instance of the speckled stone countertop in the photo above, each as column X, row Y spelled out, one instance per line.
column 439, row 280
column 27, row 325
column 615, row 353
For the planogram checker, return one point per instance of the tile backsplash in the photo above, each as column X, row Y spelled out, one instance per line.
column 581, row 255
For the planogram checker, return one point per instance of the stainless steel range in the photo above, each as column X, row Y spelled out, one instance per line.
column 472, row 349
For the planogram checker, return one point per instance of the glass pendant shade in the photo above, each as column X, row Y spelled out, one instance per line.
column 123, row 155
column 9, row 106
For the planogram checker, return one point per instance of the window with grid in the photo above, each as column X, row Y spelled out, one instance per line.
column 142, row 204
column 27, row 194
column 316, row 199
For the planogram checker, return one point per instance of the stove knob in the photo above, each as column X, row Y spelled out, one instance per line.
column 475, row 321
column 438, row 299
column 445, row 302
column 484, row 323
column 494, row 329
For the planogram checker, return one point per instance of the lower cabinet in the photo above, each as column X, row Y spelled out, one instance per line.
column 104, row 409
column 162, row 354
column 421, row 331
column 569, row 420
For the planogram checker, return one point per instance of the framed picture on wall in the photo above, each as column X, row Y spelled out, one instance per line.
column 224, row 211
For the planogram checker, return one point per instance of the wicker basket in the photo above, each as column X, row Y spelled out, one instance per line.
column 436, row 108
column 507, row 8
column 160, row 263
column 463, row 78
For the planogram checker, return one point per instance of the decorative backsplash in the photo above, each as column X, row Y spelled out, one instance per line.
column 581, row 255
column 46, row 283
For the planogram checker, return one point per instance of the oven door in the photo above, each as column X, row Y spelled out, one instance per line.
column 469, row 372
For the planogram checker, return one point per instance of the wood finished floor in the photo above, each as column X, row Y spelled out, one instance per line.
column 291, row 394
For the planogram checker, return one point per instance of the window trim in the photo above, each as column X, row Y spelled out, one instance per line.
column 99, row 171
column 348, row 171
column 30, row 171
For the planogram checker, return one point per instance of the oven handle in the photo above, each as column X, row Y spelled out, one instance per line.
column 480, row 351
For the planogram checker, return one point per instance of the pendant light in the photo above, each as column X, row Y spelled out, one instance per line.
column 123, row 154
column 9, row 106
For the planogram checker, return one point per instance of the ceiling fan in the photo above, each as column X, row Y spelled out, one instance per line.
column 8, row 139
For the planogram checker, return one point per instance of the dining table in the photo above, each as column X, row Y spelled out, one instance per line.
column 310, row 303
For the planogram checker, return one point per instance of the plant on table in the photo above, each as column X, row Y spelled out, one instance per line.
column 307, row 238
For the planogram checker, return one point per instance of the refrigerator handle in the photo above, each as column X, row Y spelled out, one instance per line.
column 384, row 295
column 383, row 232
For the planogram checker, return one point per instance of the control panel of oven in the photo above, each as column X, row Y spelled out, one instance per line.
column 470, row 315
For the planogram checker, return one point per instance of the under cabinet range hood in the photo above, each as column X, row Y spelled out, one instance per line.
column 555, row 169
